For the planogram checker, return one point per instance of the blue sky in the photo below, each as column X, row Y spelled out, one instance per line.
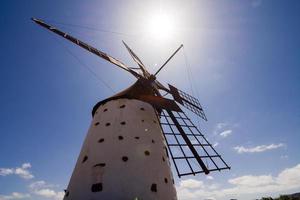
column 244, row 59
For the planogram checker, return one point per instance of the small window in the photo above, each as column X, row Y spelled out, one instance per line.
column 166, row 151
column 105, row 110
column 163, row 158
column 101, row 140
column 67, row 193
column 154, row 121
column 147, row 153
column 166, row 180
column 142, row 108
column 97, row 123
column 125, row 158
column 107, row 124
column 123, row 123
column 137, row 138
column 152, row 141
column 84, row 159
column 100, row 165
column 97, row 187
column 154, row 187
column 120, row 137
column 122, row 106
column 173, row 181
column 143, row 120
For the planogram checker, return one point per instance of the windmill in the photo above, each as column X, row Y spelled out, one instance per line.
column 134, row 135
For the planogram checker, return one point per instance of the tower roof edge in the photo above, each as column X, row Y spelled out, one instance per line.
column 139, row 89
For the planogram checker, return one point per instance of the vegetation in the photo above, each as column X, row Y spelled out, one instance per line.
column 295, row 196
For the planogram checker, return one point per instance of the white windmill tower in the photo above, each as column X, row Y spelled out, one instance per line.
column 133, row 134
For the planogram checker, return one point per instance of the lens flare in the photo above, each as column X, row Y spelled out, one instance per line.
column 160, row 26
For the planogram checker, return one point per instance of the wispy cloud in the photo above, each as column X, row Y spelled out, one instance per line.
column 39, row 189
column 6, row 171
column 215, row 144
column 252, row 181
column 40, row 184
column 22, row 171
column 14, row 195
column 222, row 129
column 286, row 180
column 191, row 184
column 257, row 149
column 192, row 189
column 49, row 193
column 45, row 190
column 226, row 133
column 219, row 126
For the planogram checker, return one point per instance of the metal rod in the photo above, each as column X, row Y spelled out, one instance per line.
column 200, row 145
column 192, row 157
column 188, row 142
column 168, row 59
column 219, row 169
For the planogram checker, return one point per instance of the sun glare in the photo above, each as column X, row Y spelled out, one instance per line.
column 160, row 26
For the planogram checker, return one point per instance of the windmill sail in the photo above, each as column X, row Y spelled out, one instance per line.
column 86, row 47
column 187, row 101
column 137, row 60
column 185, row 161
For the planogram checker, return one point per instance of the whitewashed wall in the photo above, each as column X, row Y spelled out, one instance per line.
column 123, row 156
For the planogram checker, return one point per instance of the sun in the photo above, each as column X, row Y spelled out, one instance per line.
column 160, row 26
